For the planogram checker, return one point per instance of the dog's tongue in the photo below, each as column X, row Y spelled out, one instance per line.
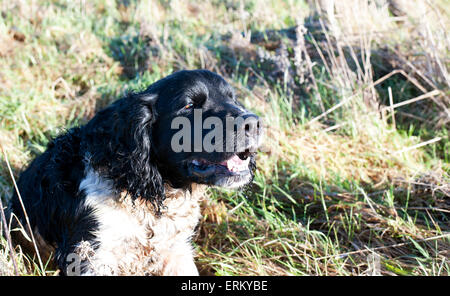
column 235, row 164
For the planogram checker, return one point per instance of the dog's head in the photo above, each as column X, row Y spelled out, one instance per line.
column 186, row 128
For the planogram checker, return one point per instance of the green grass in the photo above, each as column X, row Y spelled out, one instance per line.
column 343, row 193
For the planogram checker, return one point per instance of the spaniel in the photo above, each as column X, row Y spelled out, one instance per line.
column 120, row 195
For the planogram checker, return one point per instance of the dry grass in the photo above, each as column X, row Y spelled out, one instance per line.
column 354, row 176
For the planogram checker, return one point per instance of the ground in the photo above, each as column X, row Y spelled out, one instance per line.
column 353, row 178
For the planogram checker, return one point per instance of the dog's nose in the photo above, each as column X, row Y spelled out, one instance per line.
column 251, row 124
column 251, row 128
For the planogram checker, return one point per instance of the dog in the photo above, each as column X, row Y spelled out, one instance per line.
column 114, row 197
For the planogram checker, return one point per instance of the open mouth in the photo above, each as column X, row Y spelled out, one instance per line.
column 235, row 165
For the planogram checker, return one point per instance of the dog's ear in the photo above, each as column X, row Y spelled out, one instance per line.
column 144, row 179
column 118, row 141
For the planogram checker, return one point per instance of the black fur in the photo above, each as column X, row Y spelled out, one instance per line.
column 118, row 142
column 128, row 143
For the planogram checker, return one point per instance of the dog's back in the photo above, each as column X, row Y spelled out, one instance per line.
column 49, row 190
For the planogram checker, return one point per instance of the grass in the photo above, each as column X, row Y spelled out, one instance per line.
column 346, row 185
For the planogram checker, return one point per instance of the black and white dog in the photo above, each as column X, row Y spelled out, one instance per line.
column 114, row 197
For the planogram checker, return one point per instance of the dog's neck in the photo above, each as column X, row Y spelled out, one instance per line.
column 195, row 189
column 195, row 194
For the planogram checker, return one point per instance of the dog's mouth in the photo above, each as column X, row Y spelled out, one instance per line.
column 236, row 165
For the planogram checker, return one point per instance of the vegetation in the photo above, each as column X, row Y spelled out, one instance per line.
column 354, row 175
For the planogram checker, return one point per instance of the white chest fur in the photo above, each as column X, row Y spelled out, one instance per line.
column 132, row 240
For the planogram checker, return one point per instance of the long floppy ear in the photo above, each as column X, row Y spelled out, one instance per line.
column 118, row 141
column 144, row 180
